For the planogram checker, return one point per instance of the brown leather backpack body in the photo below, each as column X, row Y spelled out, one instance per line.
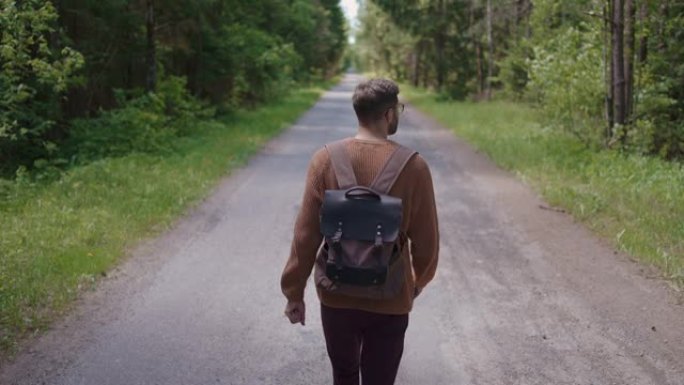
column 361, row 254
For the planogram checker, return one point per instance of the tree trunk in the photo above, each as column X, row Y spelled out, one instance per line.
column 664, row 13
column 440, row 43
column 528, row 26
column 522, row 8
column 643, row 41
column 54, row 34
column 439, row 47
column 608, row 67
column 151, row 57
column 415, row 78
column 194, row 66
column 387, row 62
column 618, row 62
column 630, row 17
column 480, row 70
column 427, row 67
column 490, row 50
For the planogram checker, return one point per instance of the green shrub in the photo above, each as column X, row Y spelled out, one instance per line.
column 254, row 66
column 567, row 83
column 34, row 75
column 514, row 70
column 179, row 105
column 147, row 123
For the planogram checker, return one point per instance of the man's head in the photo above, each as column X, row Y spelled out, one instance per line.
column 376, row 104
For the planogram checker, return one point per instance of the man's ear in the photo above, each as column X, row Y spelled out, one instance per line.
column 388, row 118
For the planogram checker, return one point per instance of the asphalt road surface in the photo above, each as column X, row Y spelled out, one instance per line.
column 523, row 295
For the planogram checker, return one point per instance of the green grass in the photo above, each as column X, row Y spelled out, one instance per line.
column 59, row 237
column 636, row 202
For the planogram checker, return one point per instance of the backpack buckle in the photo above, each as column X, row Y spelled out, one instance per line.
column 338, row 234
column 378, row 236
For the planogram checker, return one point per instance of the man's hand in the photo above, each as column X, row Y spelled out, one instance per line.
column 296, row 312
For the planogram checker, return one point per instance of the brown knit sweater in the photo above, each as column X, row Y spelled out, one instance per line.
column 414, row 187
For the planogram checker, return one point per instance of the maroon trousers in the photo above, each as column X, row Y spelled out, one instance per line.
column 358, row 339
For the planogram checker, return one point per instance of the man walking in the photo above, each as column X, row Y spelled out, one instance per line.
column 364, row 322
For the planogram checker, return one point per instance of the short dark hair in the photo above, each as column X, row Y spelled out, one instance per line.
column 373, row 97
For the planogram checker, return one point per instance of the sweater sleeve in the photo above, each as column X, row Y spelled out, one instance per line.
column 307, row 236
column 423, row 230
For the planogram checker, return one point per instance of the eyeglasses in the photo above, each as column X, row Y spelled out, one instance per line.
column 399, row 107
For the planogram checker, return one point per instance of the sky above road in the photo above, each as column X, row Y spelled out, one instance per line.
column 351, row 9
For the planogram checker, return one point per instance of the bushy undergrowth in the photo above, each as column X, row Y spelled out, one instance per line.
column 566, row 85
column 146, row 123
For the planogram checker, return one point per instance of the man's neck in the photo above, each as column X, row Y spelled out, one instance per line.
column 367, row 133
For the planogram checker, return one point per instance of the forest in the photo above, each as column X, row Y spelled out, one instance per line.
column 609, row 72
column 83, row 80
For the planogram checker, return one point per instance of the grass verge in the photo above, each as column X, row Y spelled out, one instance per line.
column 59, row 237
column 637, row 202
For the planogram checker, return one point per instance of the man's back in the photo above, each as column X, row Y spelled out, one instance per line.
column 414, row 187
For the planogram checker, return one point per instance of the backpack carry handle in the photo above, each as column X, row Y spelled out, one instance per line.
column 360, row 192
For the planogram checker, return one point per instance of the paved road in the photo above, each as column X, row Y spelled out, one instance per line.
column 522, row 295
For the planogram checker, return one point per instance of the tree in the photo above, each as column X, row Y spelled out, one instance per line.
column 151, row 56
column 617, row 64
column 490, row 51
column 629, row 50
column 33, row 79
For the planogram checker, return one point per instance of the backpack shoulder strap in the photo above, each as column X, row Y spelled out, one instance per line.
column 390, row 172
column 344, row 172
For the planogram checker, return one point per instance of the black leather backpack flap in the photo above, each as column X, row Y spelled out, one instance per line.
column 360, row 217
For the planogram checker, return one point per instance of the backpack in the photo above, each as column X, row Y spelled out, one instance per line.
column 361, row 253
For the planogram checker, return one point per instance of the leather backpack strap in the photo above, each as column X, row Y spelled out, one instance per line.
column 390, row 172
column 344, row 172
